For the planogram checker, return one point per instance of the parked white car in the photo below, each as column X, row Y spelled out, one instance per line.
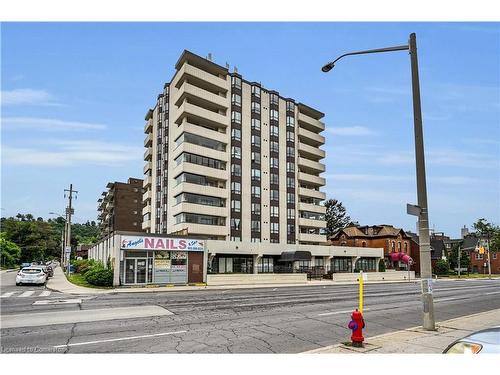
column 31, row 275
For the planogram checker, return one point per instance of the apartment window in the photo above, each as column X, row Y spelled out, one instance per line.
column 236, row 152
column 479, row 256
column 290, row 198
column 236, row 134
column 274, row 162
column 256, row 191
column 255, row 140
column 236, row 117
column 290, row 229
column 235, row 224
column 290, row 182
column 199, row 219
column 236, row 170
column 274, row 130
column 200, row 160
column 290, row 167
column 236, row 187
column 200, row 199
column 274, row 146
column 201, row 141
column 236, row 205
column 256, row 91
column 290, row 151
column 274, row 179
column 290, row 106
column 290, row 121
column 256, row 208
column 275, row 211
column 312, row 215
column 275, row 228
column 256, row 157
column 255, row 239
column 235, row 238
column 236, row 99
column 274, row 114
column 255, row 174
column 255, row 225
column 290, row 213
column 256, row 107
column 274, row 195
column 255, row 124
column 273, row 99
column 236, row 82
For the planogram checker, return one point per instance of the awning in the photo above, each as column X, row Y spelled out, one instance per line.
column 402, row 257
column 292, row 256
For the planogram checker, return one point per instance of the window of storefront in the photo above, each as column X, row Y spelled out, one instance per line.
column 232, row 265
column 342, row 264
column 265, row 265
column 366, row 264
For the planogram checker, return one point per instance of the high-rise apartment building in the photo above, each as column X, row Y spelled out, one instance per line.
column 120, row 207
column 227, row 159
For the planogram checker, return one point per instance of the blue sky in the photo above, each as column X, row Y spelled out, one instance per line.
column 74, row 96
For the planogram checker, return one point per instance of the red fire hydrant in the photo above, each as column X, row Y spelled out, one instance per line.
column 356, row 325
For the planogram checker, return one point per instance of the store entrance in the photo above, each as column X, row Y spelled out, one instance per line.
column 136, row 271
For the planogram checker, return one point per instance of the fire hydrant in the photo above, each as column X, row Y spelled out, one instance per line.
column 356, row 325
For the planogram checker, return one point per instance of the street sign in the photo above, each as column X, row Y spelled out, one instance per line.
column 427, row 286
column 412, row 209
column 67, row 250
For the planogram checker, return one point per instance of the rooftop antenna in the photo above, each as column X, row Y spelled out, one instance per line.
column 227, row 65
column 209, row 57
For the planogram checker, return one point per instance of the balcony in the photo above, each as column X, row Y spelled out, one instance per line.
column 312, row 208
column 190, row 70
column 200, row 150
column 306, row 237
column 148, row 141
column 218, row 174
column 148, row 127
column 310, row 123
column 146, row 210
column 310, row 152
column 310, row 138
column 147, row 167
column 201, row 115
column 147, row 181
column 146, row 224
column 148, row 154
column 201, row 229
column 210, row 99
column 187, row 127
column 311, row 193
column 311, row 166
column 199, row 209
column 186, row 187
column 146, row 197
column 311, row 179
column 310, row 223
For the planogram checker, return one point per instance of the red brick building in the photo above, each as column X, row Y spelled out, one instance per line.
column 478, row 261
column 394, row 241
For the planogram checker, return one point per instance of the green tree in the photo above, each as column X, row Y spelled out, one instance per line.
column 489, row 231
column 336, row 216
column 381, row 266
column 10, row 253
column 453, row 258
column 442, row 267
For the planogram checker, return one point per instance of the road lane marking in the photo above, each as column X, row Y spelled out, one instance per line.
column 119, row 339
column 57, row 301
column 27, row 293
column 490, row 293
column 45, row 293
column 81, row 316
column 340, row 312
column 8, row 294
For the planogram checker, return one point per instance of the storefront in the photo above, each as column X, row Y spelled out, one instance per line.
column 156, row 260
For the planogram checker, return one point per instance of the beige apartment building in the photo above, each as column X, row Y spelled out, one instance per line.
column 231, row 161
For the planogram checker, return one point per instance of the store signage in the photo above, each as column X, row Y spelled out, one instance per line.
column 157, row 243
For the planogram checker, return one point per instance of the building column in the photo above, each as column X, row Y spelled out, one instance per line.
column 211, row 257
column 256, row 259
column 328, row 263
column 354, row 261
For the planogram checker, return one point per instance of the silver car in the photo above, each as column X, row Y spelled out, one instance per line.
column 31, row 275
column 486, row 341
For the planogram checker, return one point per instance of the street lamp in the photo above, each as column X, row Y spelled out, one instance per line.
column 63, row 236
column 420, row 210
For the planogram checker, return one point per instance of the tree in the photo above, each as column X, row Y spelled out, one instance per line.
column 336, row 216
column 489, row 231
column 442, row 267
column 453, row 258
column 10, row 253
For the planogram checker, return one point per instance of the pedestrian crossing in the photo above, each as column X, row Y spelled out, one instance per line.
column 28, row 293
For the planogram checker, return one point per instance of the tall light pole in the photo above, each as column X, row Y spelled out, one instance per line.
column 63, row 238
column 420, row 210
column 69, row 212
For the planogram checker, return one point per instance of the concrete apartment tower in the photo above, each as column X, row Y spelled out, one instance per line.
column 227, row 159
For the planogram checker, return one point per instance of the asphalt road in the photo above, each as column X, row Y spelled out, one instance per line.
column 263, row 320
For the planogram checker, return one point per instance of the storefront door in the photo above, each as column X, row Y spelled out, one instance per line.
column 136, row 271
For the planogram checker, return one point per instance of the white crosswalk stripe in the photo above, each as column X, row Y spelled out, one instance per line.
column 27, row 293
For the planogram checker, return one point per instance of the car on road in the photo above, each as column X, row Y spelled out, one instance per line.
column 31, row 275
column 486, row 341
column 23, row 265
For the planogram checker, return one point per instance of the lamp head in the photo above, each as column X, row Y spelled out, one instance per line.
column 327, row 67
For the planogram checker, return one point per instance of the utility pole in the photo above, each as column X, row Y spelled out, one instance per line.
column 459, row 252
column 423, row 219
column 69, row 212
column 489, row 259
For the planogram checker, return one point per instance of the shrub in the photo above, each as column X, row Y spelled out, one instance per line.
column 82, row 266
column 442, row 267
column 99, row 276
column 381, row 266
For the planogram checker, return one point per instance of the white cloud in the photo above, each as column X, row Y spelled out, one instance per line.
column 355, row 131
column 69, row 153
column 28, row 96
column 46, row 124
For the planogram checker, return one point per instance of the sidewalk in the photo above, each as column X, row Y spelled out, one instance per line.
column 416, row 340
